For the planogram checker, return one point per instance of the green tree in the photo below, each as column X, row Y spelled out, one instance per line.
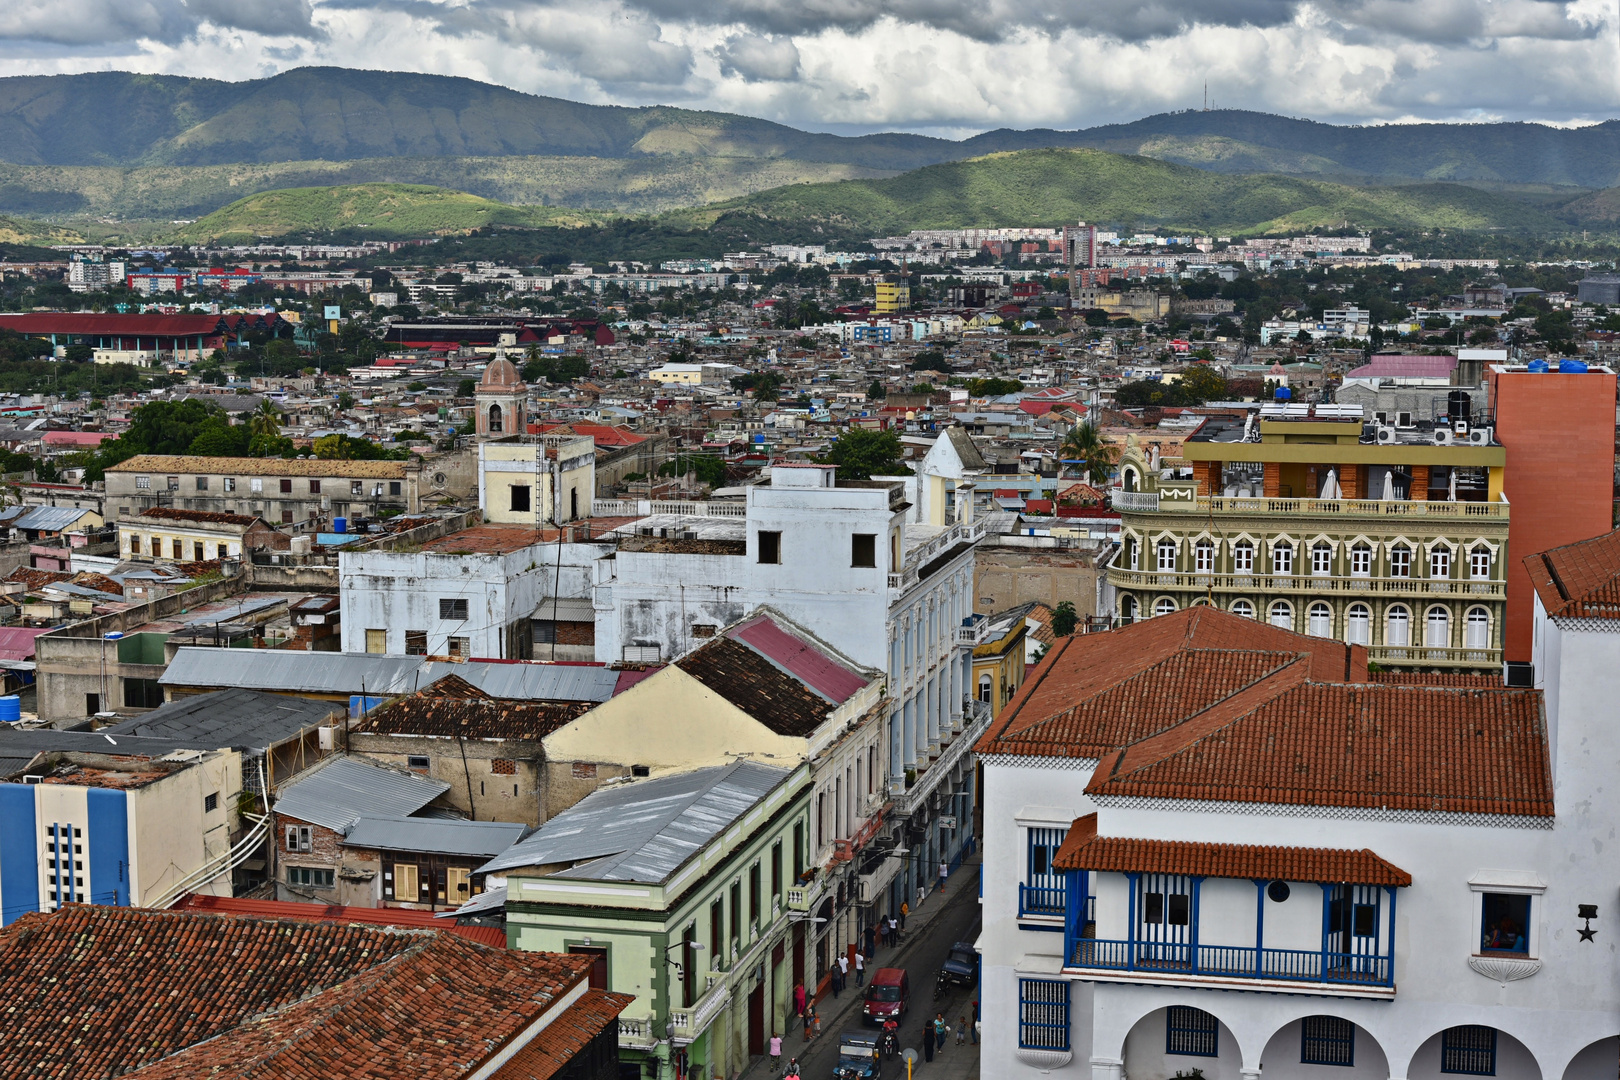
column 930, row 361
column 340, row 447
column 265, row 421
column 876, row 392
column 466, row 388
column 345, row 401
column 1201, row 383
column 708, row 468
column 220, row 438
column 1084, row 448
column 993, row 387
column 861, row 453
column 1063, row 619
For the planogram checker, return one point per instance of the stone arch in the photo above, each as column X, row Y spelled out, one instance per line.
column 1512, row 1058
column 1596, row 1061
column 1146, row 1052
column 1284, row 1054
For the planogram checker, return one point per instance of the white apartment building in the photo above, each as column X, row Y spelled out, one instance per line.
column 1215, row 845
column 840, row 560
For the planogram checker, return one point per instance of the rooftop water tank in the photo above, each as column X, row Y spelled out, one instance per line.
column 1537, row 367
column 1572, row 367
column 10, row 709
column 1283, row 393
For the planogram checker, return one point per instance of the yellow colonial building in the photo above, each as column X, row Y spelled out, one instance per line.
column 1314, row 521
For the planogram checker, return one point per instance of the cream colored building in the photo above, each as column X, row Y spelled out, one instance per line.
column 278, row 490
column 536, row 480
column 195, row 535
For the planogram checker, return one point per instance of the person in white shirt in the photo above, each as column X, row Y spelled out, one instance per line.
column 860, row 968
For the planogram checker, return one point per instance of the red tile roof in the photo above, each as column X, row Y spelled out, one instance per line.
column 1402, row 677
column 546, row 1053
column 493, row 936
column 1204, row 705
column 94, row 991
column 1580, row 580
column 1083, row 849
column 451, row 706
column 801, row 658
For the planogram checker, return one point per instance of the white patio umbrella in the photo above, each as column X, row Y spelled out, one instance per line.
column 1330, row 486
column 1389, row 487
column 1451, row 487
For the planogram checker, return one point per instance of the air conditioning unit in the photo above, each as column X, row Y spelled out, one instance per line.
column 1443, row 437
column 1386, row 434
column 1480, row 436
column 1459, row 427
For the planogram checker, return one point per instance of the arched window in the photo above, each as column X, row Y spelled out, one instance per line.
column 984, row 686
column 1127, row 478
column 1321, row 560
column 1204, row 557
column 1361, row 561
column 1282, row 558
column 1439, row 562
column 1319, row 620
column 1477, row 630
column 1243, row 557
column 1282, row 615
column 1167, row 556
column 1243, row 609
column 1127, row 609
column 1479, row 563
column 1358, row 625
column 494, row 419
column 1437, row 628
column 1398, row 627
column 1165, row 606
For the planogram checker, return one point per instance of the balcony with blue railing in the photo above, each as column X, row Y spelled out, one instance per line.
column 1042, row 900
column 1233, row 961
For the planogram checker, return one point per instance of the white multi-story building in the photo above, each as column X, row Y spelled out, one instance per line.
column 839, row 559
column 1214, row 845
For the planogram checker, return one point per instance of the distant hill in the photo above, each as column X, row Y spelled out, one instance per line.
column 382, row 210
column 644, row 185
column 1051, row 187
column 19, row 232
column 341, row 114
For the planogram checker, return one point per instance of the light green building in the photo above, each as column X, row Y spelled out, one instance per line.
column 679, row 886
column 1394, row 538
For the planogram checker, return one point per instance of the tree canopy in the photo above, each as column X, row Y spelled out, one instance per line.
column 861, row 453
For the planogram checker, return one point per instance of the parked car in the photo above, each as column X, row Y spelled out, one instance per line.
column 858, row 1056
column 888, row 995
column 961, row 967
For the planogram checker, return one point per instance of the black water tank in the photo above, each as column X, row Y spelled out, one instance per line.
column 1459, row 406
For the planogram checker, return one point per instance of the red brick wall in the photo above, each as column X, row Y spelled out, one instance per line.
column 1559, row 435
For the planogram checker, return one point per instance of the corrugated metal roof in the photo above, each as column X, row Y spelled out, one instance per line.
column 242, row 719
column 299, row 672
column 339, row 791
column 438, row 836
column 50, row 518
column 382, row 676
column 644, row 831
column 485, row 902
column 565, row 609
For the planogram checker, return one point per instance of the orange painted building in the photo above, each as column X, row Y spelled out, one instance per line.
column 1559, row 431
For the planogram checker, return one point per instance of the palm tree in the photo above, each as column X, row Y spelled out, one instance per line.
column 265, row 420
column 1083, row 446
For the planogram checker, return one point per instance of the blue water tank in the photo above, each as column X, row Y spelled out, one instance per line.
column 340, row 524
column 359, row 706
column 1537, row 367
column 10, row 709
column 1283, row 393
column 1572, row 367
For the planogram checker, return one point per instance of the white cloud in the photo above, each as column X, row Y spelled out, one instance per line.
column 937, row 65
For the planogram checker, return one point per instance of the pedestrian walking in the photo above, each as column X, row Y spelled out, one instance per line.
column 843, row 965
column 961, row 1030
column 943, row 870
column 776, row 1052
column 973, row 1011
column 860, row 968
column 836, row 981
column 871, row 940
column 940, row 1031
column 928, row 1042
column 894, row 931
column 905, row 909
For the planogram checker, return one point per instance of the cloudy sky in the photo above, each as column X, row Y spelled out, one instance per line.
column 949, row 67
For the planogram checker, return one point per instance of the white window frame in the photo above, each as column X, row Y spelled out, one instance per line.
column 1243, row 557
column 1428, row 621
column 1162, row 549
column 1313, row 614
column 1249, row 614
column 1400, row 561
column 1160, row 608
column 1405, row 620
column 1361, row 561
column 1516, row 883
column 1469, row 622
column 1439, row 562
column 1365, row 625
column 1272, row 612
column 1479, row 563
column 1204, row 557
column 1282, row 559
column 1321, row 560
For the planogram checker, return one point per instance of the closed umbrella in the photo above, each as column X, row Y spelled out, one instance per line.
column 1451, row 487
column 1389, row 487
column 1330, row 486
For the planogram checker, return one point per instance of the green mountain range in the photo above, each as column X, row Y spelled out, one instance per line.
column 1051, row 187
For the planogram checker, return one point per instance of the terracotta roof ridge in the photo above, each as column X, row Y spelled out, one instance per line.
column 999, row 725
column 1073, row 856
column 1212, row 718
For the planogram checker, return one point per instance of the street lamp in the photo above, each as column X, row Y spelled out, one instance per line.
column 680, row 969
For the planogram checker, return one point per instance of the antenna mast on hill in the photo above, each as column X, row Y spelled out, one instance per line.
column 1206, row 95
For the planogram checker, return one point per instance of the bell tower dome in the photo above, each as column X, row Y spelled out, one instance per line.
column 502, row 400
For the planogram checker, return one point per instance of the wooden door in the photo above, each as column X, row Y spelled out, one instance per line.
column 756, row 1021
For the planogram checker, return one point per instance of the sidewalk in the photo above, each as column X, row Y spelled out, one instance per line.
column 836, row 1013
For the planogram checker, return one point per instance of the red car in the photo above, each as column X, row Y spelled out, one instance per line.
column 888, row 996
